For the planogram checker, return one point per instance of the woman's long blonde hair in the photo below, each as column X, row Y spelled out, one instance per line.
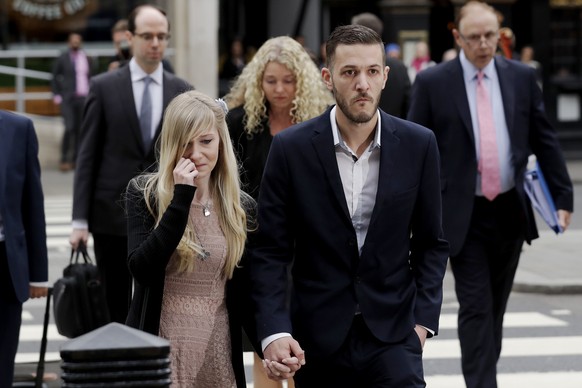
column 186, row 117
column 311, row 98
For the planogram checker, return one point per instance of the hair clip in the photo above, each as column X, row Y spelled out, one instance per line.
column 222, row 104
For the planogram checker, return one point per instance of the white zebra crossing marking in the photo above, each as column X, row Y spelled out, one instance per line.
column 512, row 380
column 512, row 347
column 520, row 319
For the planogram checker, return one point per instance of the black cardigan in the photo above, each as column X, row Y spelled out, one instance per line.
column 149, row 251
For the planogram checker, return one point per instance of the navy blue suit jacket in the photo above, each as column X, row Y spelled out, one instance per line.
column 22, row 203
column 304, row 219
column 439, row 102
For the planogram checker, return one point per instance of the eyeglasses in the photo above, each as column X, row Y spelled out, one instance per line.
column 489, row 38
column 149, row 37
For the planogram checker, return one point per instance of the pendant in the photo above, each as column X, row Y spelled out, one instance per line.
column 205, row 211
column 204, row 255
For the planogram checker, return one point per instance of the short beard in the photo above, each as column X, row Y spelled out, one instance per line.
column 360, row 118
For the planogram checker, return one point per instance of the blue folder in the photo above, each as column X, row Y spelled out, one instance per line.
column 541, row 199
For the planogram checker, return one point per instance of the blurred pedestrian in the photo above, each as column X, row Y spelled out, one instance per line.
column 279, row 87
column 393, row 51
column 70, row 85
column 122, row 123
column 231, row 65
column 350, row 199
column 528, row 57
column 420, row 61
column 488, row 115
column 449, row 55
column 187, row 228
column 120, row 44
column 23, row 251
column 396, row 93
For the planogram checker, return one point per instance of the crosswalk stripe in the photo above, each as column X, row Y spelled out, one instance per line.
column 512, row 347
column 34, row 333
column 521, row 319
column 512, row 380
column 22, row 357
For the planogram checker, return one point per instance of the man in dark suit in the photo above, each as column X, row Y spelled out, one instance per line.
column 352, row 200
column 117, row 145
column 23, row 252
column 395, row 98
column 488, row 116
column 70, row 85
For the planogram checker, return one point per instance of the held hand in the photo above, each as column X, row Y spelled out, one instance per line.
column 38, row 292
column 283, row 357
column 77, row 236
column 422, row 333
column 564, row 217
column 185, row 172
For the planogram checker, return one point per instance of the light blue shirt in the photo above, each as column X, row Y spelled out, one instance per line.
column 502, row 135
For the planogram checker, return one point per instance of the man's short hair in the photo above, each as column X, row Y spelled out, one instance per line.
column 350, row 35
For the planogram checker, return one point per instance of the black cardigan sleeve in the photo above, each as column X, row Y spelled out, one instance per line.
column 150, row 247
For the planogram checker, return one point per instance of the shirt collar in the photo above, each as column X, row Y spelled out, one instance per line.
column 138, row 74
column 337, row 138
column 470, row 71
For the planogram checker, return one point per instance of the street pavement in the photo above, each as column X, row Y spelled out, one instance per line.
column 551, row 265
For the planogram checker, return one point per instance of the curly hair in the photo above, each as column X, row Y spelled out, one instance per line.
column 311, row 98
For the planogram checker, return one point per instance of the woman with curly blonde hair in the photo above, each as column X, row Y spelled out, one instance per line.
column 187, row 230
column 279, row 87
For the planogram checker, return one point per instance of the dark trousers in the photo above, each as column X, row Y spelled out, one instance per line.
column 484, row 271
column 72, row 112
column 365, row 362
column 11, row 309
column 111, row 256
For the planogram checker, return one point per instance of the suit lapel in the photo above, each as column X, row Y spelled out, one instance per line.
column 6, row 136
column 324, row 148
column 459, row 93
column 125, row 90
column 388, row 154
column 508, row 96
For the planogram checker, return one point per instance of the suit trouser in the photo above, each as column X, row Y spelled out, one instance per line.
column 72, row 112
column 111, row 256
column 11, row 309
column 484, row 271
column 365, row 362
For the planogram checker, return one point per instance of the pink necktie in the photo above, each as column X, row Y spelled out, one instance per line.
column 489, row 163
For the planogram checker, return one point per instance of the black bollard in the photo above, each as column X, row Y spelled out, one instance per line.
column 114, row 356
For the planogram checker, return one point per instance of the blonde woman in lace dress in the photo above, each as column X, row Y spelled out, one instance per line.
column 187, row 228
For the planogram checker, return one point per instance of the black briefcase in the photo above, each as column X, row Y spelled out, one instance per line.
column 79, row 297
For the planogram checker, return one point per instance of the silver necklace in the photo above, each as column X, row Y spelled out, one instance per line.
column 206, row 208
column 205, row 254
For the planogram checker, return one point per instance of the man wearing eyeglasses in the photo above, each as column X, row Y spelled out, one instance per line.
column 122, row 122
column 488, row 116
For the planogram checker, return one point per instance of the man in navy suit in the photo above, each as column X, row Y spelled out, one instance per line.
column 352, row 200
column 113, row 148
column 23, row 252
column 486, row 228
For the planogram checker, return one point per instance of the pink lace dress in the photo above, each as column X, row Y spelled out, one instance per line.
column 194, row 317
